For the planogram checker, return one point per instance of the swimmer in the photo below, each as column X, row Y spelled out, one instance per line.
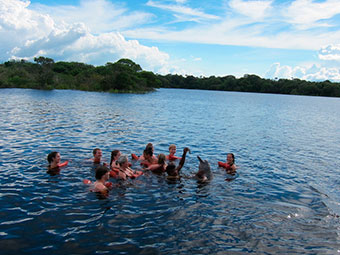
column 115, row 154
column 125, row 171
column 172, row 151
column 53, row 159
column 114, row 166
column 149, row 147
column 229, row 165
column 160, row 166
column 97, row 155
column 148, row 158
column 101, row 184
column 172, row 170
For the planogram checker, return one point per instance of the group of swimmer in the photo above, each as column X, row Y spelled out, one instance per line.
column 120, row 167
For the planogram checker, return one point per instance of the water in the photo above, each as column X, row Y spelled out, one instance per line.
column 285, row 198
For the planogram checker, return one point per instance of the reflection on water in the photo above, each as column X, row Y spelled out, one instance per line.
column 284, row 198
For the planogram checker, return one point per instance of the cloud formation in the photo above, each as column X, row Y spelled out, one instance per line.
column 256, row 10
column 100, row 31
column 26, row 33
column 184, row 11
column 307, row 14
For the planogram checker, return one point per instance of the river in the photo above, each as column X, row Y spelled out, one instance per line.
column 285, row 197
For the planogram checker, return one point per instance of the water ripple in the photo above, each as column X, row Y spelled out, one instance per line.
column 284, row 198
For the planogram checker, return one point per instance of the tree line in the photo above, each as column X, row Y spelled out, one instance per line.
column 121, row 76
column 253, row 83
column 127, row 76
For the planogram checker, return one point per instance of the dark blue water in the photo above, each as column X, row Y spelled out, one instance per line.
column 285, row 198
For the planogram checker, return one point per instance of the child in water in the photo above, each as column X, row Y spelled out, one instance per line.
column 101, row 185
column 148, row 157
column 172, row 151
column 54, row 164
column 161, row 165
column 172, row 170
column 229, row 165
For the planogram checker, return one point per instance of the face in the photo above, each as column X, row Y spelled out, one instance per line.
column 172, row 150
column 57, row 158
column 98, row 154
column 126, row 164
column 229, row 158
column 107, row 176
column 117, row 156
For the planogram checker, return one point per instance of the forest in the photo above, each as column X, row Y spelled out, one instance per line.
column 125, row 76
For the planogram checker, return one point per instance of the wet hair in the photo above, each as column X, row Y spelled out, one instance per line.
column 171, row 169
column 51, row 156
column 101, row 171
column 114, row 153
column 122, row 160
column 161, row 159
column 149, row 146
column 172, row 146
column 148, row 151
column 232, row 155
column 95, row 151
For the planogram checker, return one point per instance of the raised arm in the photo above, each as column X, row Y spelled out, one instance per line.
column 181, row 163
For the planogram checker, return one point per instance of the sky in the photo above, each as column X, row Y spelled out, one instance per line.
column 269, row 38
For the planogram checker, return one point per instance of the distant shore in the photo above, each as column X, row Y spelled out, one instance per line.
column 125, row 76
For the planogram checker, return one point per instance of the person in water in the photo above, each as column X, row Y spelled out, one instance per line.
column 125, row 171
column 97, row 155
column 149, row 149
column 115, row 154
column 148, row 158
column 229, row 165
column 172, row 170
column 172, row 151
column 53, row 159
column 101, row 185
column 161, row 165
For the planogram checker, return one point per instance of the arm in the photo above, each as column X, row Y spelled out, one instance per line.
column 63, row 164
column 154, row 167
column 181, row 163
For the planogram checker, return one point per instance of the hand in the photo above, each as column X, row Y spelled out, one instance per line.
column 186, row 149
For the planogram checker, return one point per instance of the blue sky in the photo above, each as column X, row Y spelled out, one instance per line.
column 269, row 38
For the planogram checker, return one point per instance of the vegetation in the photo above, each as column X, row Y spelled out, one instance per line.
column 125, row 76
column 253, row 83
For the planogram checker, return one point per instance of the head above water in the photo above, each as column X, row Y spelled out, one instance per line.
column 161, row 159
column 52, row 156
column 171, row 169
column 115, row 154
column 101, row 171
column 149, row 146
column 95, row 151
column 230, row 158
column 172, row 149
column 122, row 160
column 148, row 153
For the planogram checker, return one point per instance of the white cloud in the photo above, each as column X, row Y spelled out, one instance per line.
column 330, row 52
column 327, row 69
column 312, row 73
column 98, row 15
column 184, row 11
column 256, row 10
column 308, row 13
column 27, row 33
